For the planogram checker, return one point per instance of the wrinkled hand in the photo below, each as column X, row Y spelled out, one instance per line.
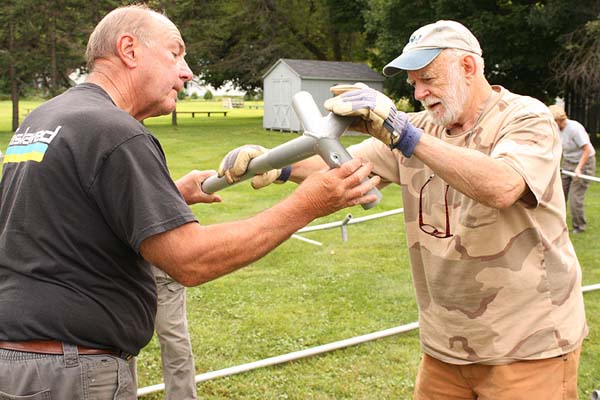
column 323, row 193
column 380, row 118
column 190, row 187
column 235, row 164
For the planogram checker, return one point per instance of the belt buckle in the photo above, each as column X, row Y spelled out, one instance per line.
column 124, row 355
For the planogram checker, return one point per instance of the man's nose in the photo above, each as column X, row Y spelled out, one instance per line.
column 421, row 92
column 185, row 73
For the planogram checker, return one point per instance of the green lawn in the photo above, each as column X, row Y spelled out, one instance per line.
column 301, row 295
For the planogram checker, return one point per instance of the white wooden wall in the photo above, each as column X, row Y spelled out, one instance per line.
column 279, row 87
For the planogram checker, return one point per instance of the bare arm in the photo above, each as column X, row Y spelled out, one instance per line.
column 585, row 155
column 303, row 169
column 480, row 177
column 193, row 254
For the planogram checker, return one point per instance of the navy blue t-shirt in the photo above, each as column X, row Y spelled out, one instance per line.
column 83, row 185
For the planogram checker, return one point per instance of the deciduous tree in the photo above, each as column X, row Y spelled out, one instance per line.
column 41, row 43
column 237, row 40
column 519, row 37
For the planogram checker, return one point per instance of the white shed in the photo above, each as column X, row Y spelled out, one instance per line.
column 287, row 77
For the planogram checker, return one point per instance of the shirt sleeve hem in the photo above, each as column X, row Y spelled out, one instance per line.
column 162, row 227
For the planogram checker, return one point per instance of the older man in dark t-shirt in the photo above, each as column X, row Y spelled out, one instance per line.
column 87, row 204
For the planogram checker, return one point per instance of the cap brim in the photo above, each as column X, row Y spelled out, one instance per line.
column 411, row 61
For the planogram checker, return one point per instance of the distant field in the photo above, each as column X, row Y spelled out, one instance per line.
column 184, row 105
column 301, row 295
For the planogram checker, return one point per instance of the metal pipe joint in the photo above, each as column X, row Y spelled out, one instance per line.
column 321, row 136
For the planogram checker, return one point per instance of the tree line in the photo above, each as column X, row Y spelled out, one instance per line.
column 538, row 48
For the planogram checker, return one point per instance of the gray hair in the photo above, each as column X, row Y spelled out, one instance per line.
column 457, row 54
column 136, row 19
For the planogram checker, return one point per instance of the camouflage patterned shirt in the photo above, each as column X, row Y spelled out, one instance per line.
column 507, row 285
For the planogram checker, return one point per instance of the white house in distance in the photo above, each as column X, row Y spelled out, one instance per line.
column 194, row 86
column 198, row 87
column 287, row 77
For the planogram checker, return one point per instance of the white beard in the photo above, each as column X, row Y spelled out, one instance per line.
column 454, row 103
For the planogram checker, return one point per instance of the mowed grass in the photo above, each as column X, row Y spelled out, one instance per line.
column 301, row 295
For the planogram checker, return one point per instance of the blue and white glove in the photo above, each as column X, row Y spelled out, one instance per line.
column 235, row 164
column 379, row 116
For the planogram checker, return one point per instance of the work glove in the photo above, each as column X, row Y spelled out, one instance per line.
column 235, row 164
column 378, row 116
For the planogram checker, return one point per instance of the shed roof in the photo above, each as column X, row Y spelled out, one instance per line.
column 314, row 69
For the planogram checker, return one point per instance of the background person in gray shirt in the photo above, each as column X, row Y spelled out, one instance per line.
column 578, row 157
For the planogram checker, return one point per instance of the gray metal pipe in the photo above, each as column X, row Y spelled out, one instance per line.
column 321, row 136
column 278, row 157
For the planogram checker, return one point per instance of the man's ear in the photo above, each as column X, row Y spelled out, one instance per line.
column 127, row 49
column 470, row 67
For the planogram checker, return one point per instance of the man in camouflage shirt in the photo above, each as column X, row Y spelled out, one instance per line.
column 497, row 280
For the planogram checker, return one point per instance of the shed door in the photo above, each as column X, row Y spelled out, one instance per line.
column 282, row 89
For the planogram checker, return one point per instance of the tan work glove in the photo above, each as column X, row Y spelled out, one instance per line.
column 235, row 164
column 374, row 108
column 379, row 116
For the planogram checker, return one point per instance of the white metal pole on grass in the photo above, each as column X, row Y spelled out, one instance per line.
column 590, row 288
column 587, row 177
column 290, row 356
column 351, row 221
column 305, row 353
column 348, row 220
column 302, row 238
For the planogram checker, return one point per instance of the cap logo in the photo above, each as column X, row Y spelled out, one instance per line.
column 415, row 38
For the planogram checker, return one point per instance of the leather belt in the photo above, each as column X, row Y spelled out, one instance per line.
column 55, row 347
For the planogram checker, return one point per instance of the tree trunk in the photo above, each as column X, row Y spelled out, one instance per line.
column 334, row 37
column 53, row 68
column 12, row 72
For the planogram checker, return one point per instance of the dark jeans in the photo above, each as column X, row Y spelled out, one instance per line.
column 33, row 376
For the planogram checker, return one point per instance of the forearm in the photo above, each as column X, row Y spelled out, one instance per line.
column 303, row 169
column 193, row 254
column 489, row 181
column 585, row 156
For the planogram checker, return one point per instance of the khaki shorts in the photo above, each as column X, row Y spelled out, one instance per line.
column 548, row 379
